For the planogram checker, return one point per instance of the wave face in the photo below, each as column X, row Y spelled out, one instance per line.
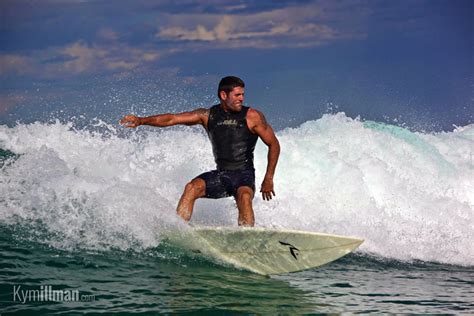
column 409, row 195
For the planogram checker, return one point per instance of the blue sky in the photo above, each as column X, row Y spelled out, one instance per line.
column 405, row 62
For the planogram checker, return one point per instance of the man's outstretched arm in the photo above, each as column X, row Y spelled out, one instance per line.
column 198, row 116
column 265, row 132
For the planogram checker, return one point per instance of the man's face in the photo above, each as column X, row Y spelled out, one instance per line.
column 233, row 100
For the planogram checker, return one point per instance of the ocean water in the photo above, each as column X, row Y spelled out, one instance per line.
column 83, row 209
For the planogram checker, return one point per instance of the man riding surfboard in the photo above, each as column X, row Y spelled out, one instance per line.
column 233, row 130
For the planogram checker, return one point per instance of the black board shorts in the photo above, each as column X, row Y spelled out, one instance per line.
column 224, row 183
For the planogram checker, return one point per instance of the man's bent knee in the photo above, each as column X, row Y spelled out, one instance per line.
column 244, row 194
column 196, row 188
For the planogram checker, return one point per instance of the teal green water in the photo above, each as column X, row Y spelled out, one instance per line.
column 165, row 280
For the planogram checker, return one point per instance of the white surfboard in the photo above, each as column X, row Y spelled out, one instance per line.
column 265, row 250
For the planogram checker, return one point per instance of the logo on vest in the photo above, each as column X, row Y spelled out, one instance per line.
column 228, row 123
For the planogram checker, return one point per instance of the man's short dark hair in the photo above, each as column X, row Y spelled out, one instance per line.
column 227, row 84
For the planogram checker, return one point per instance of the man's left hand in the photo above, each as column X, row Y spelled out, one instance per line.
column 267, row 189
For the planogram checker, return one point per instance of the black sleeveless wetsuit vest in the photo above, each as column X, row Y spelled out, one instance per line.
column 232, row 142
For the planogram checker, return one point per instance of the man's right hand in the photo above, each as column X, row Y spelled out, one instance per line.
column 131, row 121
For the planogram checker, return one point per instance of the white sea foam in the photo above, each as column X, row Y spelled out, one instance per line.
column 409, row 195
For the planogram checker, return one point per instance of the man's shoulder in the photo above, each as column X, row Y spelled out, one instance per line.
column 199, row 116
column 255, row 118
column 254, row 114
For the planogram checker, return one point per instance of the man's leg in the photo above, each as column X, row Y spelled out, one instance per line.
column 193, row 190
column 244, row 197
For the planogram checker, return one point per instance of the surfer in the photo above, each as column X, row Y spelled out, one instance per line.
column 233, row 130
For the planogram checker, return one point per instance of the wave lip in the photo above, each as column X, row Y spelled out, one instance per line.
column 407, row 194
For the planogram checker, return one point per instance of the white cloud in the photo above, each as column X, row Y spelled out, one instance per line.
column 14, row 63
column 107, row 34
column 222, row 31
column 90, row 58
column 82, row 57
column 79, row 58
column 234, row 7
column 296, row 26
